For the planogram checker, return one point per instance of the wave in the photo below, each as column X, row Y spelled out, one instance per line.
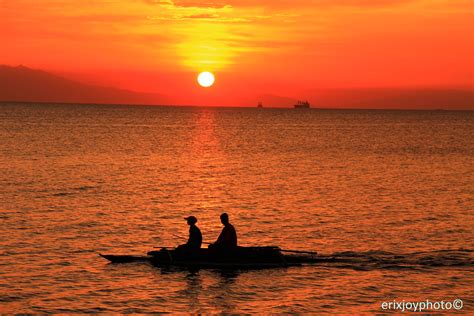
column 371, row 260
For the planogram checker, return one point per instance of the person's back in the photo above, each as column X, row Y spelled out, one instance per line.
column 227, row 240
column 228, row 237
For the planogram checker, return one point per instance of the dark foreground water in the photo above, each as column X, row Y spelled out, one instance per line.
column 390, row 193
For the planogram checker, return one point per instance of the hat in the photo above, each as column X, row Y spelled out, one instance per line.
column 191, row 219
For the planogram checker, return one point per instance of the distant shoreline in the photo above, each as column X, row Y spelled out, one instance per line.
column 231, row 107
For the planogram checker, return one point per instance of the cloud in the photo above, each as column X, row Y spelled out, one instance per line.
column 277, row 4
column 193, row 4
column 202, row 16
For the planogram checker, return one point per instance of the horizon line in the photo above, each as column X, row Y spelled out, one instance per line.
column 4, row 102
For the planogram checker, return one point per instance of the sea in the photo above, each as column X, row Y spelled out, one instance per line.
column 388, row 193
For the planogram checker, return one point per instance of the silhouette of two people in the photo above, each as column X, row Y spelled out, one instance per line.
column 226, row 242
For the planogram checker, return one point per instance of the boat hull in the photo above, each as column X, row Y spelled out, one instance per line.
column 241, row 258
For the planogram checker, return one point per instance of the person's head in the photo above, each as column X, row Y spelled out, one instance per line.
column 191, row 220
column 224, row 218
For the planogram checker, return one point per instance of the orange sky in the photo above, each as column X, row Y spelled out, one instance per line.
column 280, row 47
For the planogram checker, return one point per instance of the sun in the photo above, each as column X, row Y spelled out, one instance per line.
column 206, row 79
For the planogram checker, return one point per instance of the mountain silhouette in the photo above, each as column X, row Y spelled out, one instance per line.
column 23, row 84
column 421, row 98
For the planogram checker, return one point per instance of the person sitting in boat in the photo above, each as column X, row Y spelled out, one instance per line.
column 195, row 236
column 227, row 240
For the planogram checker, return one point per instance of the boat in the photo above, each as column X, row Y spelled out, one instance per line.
column 302, row 105
column 241, row 258
column 260, row 105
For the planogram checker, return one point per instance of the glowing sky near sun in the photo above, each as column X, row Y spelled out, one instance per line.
column 274, row 46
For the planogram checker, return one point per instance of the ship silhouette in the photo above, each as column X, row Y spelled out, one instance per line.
column 302, row 105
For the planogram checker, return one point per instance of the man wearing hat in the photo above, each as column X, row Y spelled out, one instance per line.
column 195, row 236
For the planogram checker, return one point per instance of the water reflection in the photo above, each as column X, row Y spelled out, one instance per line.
column 205, row 169
column 223, row 291
column 192, row 290
column 200, row 290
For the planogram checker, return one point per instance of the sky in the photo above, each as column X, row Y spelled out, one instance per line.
column 275, row 47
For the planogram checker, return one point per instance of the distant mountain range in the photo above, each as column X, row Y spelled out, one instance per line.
column 427, row 98
column 24, row 84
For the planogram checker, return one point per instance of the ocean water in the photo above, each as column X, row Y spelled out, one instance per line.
column 389, row 192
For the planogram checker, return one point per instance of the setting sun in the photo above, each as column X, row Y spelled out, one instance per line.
column 206, row 79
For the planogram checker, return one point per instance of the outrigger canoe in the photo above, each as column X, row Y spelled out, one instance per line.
column 241, row 258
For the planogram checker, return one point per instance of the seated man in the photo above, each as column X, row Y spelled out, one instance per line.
column 195, row 236
column 227, row 240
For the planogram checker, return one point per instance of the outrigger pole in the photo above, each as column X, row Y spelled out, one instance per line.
column 181, row 237
column 299, row 251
